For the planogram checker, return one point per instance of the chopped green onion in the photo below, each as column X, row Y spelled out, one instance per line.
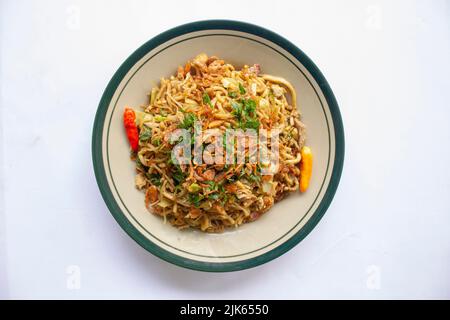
column 159, row 118
column 237, row 109
column 250, row 106
column 188, row 121
column 195, row 199
column 241, row 88
column 207, row 99
column 156, row 142
column 155, row 178
column 139, row 164
column 145, row 134
column 232, row 94
column 193, row 188
column 252, row 124
column 178, row 176
column 213, row 196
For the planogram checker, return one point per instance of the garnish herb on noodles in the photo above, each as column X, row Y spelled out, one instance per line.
column 212, row 197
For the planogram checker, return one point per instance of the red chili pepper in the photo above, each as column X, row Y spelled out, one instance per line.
column 129, row 122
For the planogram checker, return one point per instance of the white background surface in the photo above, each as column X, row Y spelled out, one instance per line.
column 386, row 234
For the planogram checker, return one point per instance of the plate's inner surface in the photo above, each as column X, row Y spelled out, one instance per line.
column 286, row 217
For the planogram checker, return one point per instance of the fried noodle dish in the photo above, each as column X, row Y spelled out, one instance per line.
column 213, row 197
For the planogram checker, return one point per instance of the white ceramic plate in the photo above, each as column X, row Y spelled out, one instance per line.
column 290, row 220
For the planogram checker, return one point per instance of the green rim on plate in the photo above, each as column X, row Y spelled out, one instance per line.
column 100, row 172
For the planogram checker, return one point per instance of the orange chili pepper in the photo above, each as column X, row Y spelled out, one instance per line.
column 305, row 168
column 129, row 121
